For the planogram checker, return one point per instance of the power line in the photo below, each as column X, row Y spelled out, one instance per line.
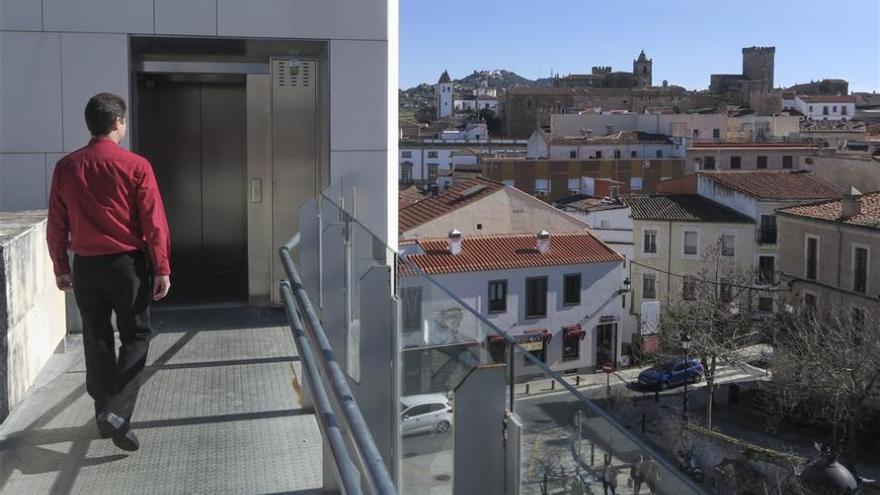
column 748, row 287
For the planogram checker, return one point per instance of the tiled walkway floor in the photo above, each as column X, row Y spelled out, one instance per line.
column 218, row 414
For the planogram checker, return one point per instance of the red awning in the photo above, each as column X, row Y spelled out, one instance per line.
column 496, row 339
column 573, row 332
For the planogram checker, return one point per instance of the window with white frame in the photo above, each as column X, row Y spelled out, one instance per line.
column 728, row 245
column 690, row 242
column 635, row 184
column 860, row 269
column 406, row 154
column 432, row 154
column 649, row 286
column 406, row 171
column 542, row 185
column 649, row 242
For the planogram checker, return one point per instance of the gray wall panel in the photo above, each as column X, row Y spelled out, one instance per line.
column 90, row 63
column 31, row 82
column 98, row 16
column 22, row 181
column 22, row 15
column 358, row 81
column 192, row 17
column 346, row 19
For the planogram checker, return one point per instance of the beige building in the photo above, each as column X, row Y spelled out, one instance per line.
column 830, row 252
column 672, row 233
column 748, row 156
column 479, row 206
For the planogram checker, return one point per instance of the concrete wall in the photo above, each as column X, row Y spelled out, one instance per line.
column 748, row 157
column 858, row 171
column 57, row 53
column 507, row 211
column 32, row 309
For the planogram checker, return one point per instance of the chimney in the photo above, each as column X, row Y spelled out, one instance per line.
column 851, row 204
column 543, row 241
column 454, row 242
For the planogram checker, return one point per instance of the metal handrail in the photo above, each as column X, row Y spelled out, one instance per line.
column 375, row 472
column 346, row 471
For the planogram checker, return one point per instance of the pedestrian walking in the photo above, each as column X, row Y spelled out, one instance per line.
column 636, row 475
column 652, row 475
column 609, row 477
column 105, row 207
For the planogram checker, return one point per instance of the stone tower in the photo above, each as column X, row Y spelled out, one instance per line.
column 642, row 69
column 443, row 96
column 758, row 66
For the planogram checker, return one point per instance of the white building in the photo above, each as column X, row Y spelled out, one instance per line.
column 443, row 96
column 556, row 294
column 617, row 145
column 823, row 107
column 423, row 160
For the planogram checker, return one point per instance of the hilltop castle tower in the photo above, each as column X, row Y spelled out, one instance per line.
column 642, row 70
column 443, row 96
column 758, row 66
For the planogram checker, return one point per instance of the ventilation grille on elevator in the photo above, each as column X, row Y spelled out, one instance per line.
column 293, row 73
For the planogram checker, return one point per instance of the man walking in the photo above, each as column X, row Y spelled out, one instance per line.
column 104, row 205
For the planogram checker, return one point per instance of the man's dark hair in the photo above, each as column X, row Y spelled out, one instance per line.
column 102, row 110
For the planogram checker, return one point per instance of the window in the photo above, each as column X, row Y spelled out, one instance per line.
column 696, row 133
column 598, row 154
column 810, row 301
column 536, row 297
column 689, row 289
column 649, row 286
column 825, row 110
column 765, row 304
column 649, row 242
column 766, row 269
column 834, row 109
column 725, row 291
column 633, row 154
column 762, row 161
column 690, row 243
column 860, row 269
column 616, row 154
column 432, row 154
column 571, row 289
column 571, row 349
column 406, row 154
column 709, row 163
column 768, row 229
column 498, row 296
column 811, row 108
column 812, row 257
column 728, row 245
column 573, row 154
column 735, row 162
column 716, row 133
column 432, row 172
column 787, row 161
column 659, row 154
column 844, row 110
column 406, row 170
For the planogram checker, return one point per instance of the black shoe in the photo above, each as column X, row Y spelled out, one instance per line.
column 123, row 436
column 105, row 430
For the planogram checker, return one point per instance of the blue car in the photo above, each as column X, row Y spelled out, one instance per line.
column 675, row 372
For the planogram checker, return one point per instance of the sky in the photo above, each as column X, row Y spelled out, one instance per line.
column 687, row 39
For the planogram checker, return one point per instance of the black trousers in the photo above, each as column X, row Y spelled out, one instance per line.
column 122, row 284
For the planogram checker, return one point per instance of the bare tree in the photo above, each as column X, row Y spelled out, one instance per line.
column 714, row 308
column 826, row 365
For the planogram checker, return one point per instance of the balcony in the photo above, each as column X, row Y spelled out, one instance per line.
column 328, row 399
column 766, row 235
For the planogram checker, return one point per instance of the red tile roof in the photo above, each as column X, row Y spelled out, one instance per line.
column 681, row 208
column 409, row 196
column 830, row 211
column 827, row 99
column 460, row 194
column 777, row 184
column 511, row 251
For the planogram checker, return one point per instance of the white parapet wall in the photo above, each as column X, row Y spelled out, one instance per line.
column 32, row 310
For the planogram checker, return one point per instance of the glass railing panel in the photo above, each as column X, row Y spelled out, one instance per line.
column 570, row 445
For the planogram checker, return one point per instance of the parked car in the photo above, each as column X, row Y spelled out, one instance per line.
column 425, row 412
column 675, row 372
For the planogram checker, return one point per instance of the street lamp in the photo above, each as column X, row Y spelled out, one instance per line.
column 685, row 345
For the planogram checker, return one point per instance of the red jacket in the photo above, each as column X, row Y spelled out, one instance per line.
column 104, row 199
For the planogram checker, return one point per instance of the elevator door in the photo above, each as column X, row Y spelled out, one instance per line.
column 194, row 135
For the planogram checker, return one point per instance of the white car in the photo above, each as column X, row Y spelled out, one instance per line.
column 425, row 412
